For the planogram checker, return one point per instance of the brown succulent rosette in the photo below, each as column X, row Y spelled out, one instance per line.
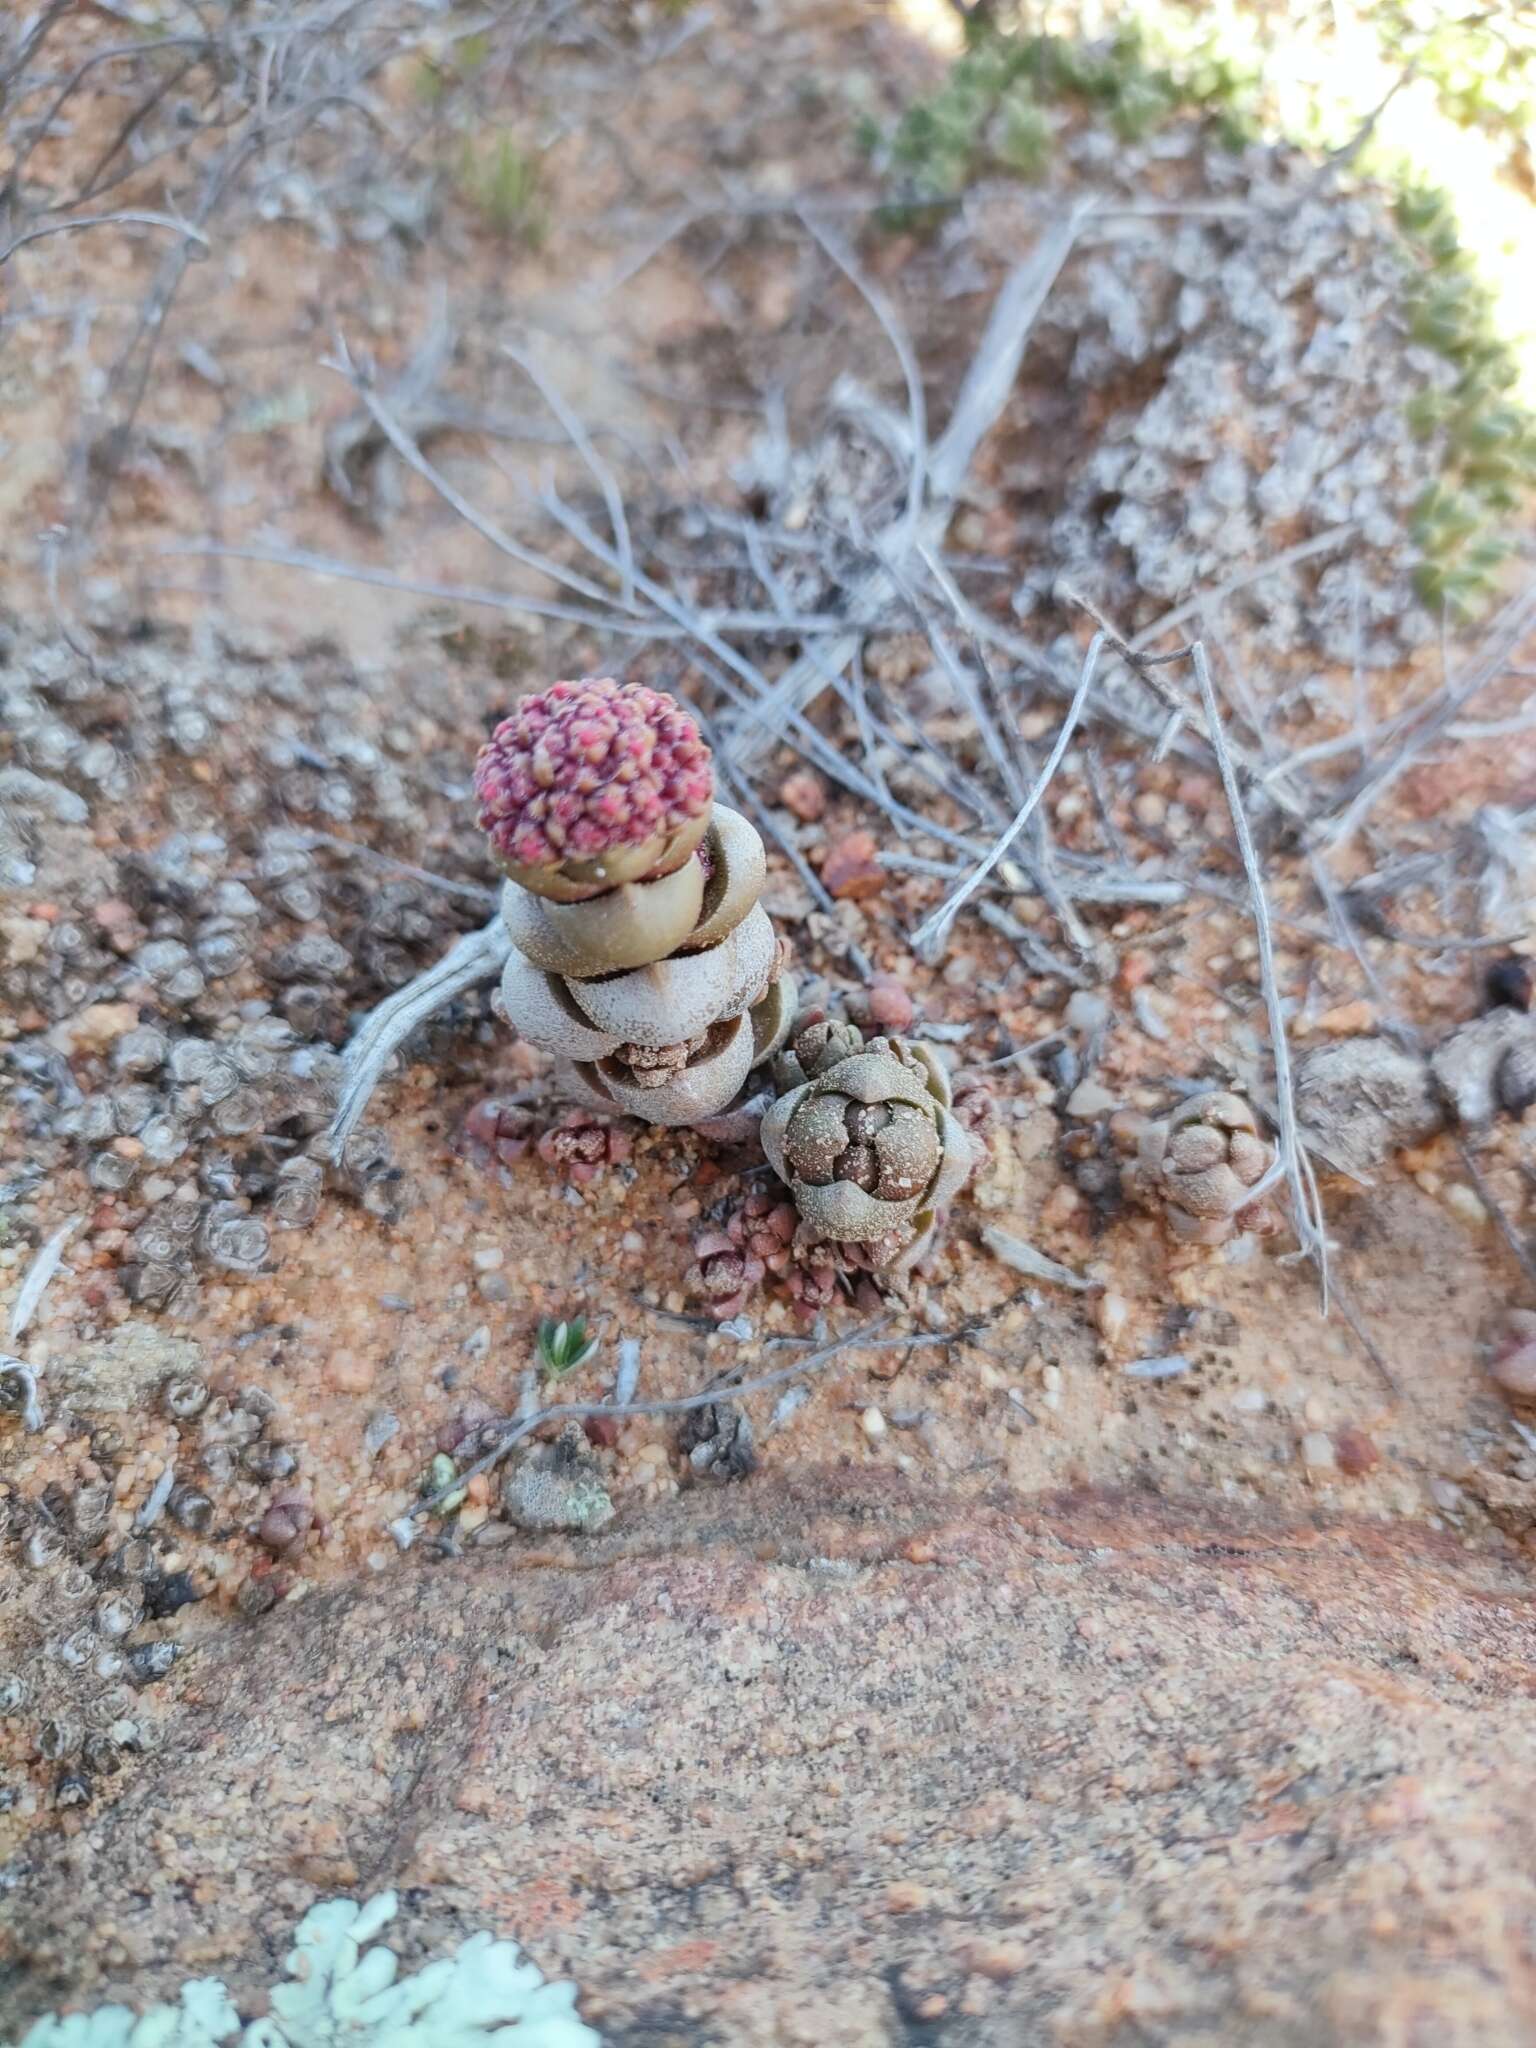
column 868, row 1143
column 1200, row 1167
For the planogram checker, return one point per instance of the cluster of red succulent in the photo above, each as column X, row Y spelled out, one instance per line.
column 585, row 767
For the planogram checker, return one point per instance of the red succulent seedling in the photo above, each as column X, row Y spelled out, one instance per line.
column 583, row 1144
column 726, row 1274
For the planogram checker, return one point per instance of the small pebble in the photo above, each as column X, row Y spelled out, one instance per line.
column 890, row 1006
column 788, row 1403
column 1090, row 1099
column 1355, row 1452
column 1465, row 1206
column 1349, row 1020
column 1514, row 1363
column 1167, row 1367
column 852, row 870
column 1147, row 1016
column 1317, row 1452
column 1086, row 1011
column 804, row 795
column 1114, row 1314
column 379, row 1430
column 349, row 1372
column 872, row 1422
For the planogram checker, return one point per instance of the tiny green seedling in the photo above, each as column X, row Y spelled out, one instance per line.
column 564, row 1347
column 440, row 1473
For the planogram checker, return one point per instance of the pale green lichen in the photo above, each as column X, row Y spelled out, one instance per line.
column 341, row 1994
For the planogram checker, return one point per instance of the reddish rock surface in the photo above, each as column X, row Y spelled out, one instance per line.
column 828, row 1761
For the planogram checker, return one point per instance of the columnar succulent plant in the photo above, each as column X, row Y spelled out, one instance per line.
column 866, row 1139
column 641, row 956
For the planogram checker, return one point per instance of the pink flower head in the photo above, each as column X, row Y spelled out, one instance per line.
column 587, row 767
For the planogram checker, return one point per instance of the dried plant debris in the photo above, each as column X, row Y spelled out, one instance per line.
column 1488, row 1066
column 717, row 1441
column 1362, row 1099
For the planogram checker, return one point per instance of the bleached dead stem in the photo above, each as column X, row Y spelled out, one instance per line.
column 1292, row 1162
column 929, row 938
column 895, row 333
column 983, row 395
column 599, row 471
column 1500, row 644
column 104, row 220
column 475, row 958
column 39, row 1273
column 18, row 1392
column 683, row 1404
column 1035, row 1265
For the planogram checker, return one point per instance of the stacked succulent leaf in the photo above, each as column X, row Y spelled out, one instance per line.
column 642, row 959
column 866, row 1139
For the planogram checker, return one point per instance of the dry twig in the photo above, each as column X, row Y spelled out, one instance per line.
column 578, row 1411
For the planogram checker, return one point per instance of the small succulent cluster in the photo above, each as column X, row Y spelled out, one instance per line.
column 1200, row 1166
column 873, row 1144
column 90, row 1585
column 758, row 1238
column 582, row 1145
column 499, row 1133
column 641, row 957
column 866, row 1138
column 338, row 1989
column 199, row 976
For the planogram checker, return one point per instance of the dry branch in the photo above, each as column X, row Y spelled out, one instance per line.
column 982, row 397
